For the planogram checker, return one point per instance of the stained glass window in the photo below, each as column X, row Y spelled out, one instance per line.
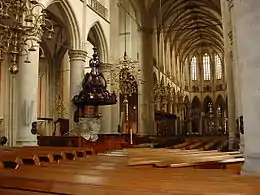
column 193, row 68
column 206, row 67
column 218, row 67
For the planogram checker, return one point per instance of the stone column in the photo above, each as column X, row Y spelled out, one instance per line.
column 9, row 90
column 77, row 65
column 229, row 72
column 145, row 94
column 157, row 105
column 27, row 98
column 115, row 54
column 170, row 106
column 106, row 118
column 247, row 26
column 201, row 123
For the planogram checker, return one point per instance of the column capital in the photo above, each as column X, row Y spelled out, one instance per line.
column 77, row 55
column 105, row 67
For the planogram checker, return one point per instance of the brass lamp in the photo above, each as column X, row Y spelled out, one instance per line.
column 22, row 24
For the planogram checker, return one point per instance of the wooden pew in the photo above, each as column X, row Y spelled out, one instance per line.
column 27, row 155
column 192, row 146
column 182, row 158
column 11, row 191
column 208, row 145
column 110, row 175
column 181, row 145
column 14, row 157
column 123, row 180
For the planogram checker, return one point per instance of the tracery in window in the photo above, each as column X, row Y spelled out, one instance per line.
column 193, row 68
column 218, row 67
column 206, row 67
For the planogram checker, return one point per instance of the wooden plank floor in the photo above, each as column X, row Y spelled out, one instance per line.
column 110, row 175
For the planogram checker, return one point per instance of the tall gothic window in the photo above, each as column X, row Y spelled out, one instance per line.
column 218, row 67
column 193, row 68
column 206, row 67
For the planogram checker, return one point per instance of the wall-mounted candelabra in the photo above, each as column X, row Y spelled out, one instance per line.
column 22, row 24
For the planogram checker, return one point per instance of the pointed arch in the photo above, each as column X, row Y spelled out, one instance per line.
column 220, row 103
column 97, row 38
column 195, row 114
column 207, row 104
column 196, row 104
column 71, row 21
column 186, row 99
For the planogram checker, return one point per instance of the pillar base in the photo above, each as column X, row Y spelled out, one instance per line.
column 242, row 144
column 252, row 165
column 231, row 140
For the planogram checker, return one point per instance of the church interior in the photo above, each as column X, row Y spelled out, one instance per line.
column 129, row 97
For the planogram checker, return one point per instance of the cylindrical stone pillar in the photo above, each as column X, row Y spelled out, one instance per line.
column 106, row 115
column 247, row 26
column 145, row 90
column 77, row 65
column 227, row 28
column 27, row 98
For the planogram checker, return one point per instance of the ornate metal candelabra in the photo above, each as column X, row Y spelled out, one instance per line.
column 125, row 80
column 22, row 24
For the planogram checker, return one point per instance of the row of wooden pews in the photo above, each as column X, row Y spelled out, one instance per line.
column 80, row 171
column 106, row 167
column 23, row 169
column 202, row 145
column 16, row 156
column 175, row 158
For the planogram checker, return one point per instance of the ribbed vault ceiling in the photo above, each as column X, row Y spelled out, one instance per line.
column 189, row 24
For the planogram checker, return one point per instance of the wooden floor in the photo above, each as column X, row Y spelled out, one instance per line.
column 110, row 175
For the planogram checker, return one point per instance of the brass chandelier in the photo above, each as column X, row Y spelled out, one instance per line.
column 22, row 24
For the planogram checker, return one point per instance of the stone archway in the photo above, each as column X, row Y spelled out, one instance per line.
column 70, row 20
column 54, row 74
column 208, row 105
column 97, row 39
column 196, row 115
column 220, row 115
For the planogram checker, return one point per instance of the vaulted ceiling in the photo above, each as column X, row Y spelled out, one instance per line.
column 189, row 24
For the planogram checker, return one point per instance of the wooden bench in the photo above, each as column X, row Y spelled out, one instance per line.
column 36, row 155
column 186, row 158
column 76, row 172
column 115, row 178
column 16, row 156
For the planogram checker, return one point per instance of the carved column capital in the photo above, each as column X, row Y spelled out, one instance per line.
column 105, row 67
column 77, row 55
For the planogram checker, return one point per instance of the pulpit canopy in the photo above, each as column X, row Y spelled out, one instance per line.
column 94, row 87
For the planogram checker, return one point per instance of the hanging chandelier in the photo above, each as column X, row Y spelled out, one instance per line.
column 22, row 24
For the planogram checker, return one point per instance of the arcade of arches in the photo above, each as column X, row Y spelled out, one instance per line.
column 195, row 68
